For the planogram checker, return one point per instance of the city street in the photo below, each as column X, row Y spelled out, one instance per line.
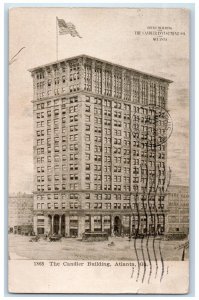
column 74, row 249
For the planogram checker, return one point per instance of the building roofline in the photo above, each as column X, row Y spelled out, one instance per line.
column 101, row 60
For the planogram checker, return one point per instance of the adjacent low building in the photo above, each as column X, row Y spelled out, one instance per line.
column 177, row 222
column 20, row 213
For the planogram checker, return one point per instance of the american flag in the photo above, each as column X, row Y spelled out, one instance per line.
column 67, row 28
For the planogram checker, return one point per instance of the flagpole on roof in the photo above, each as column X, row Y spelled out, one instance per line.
column 57, row 38
column 62, row 28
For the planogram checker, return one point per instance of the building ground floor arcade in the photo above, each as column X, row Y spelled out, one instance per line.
column 74, row 224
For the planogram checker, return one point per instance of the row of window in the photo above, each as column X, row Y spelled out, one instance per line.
column 98, row 205
column 87, row 196
column 99, row 196
column 126, row 108
column 107, row 187
column 57, row 187
column 107, row 131
column 97, row 158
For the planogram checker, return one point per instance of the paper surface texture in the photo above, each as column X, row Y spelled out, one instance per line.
column 98, row 150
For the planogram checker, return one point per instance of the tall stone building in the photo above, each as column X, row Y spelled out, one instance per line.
column 99, row 148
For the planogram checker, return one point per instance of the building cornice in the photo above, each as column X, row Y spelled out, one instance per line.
column 140, row 73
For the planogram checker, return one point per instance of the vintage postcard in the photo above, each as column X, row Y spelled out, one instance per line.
column 98, row 150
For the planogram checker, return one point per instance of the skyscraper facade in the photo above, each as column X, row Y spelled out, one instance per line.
column 100, row 148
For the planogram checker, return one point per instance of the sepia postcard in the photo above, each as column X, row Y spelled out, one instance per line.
column 98, row 150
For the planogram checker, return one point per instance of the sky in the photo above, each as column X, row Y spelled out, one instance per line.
column 107, row 34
